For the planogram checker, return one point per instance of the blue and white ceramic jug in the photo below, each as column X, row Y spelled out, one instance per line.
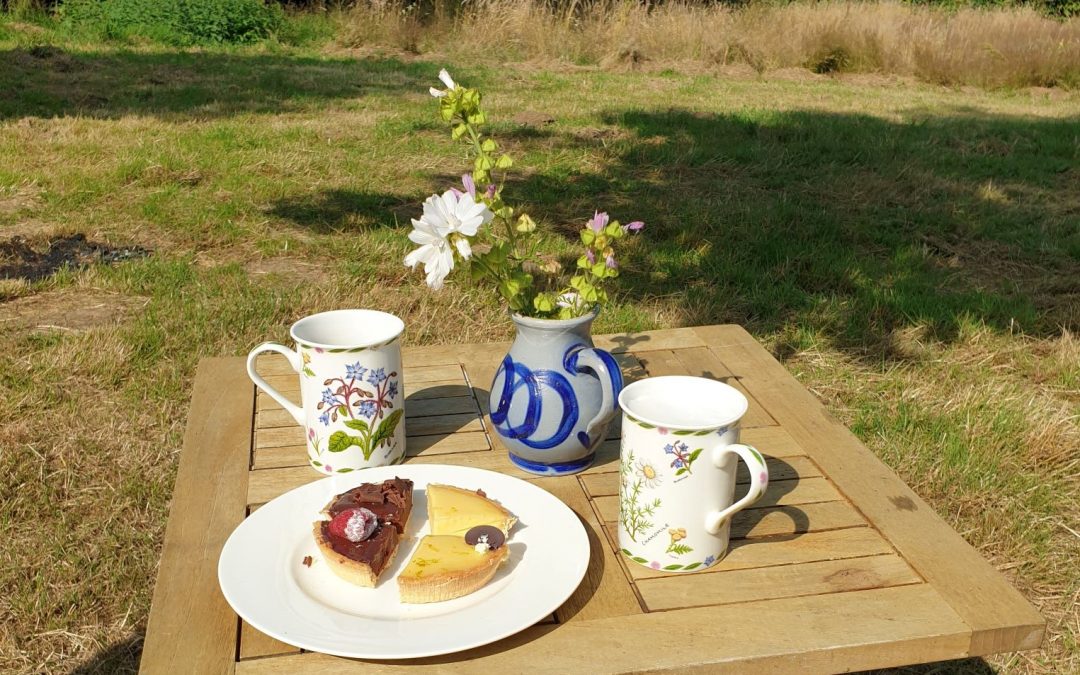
column 554, row 395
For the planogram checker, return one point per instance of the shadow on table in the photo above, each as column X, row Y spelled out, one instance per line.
column 973, row 666
column 748, row 519
column 119, row 658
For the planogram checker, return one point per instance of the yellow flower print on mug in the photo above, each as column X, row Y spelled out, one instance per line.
column 677, row 535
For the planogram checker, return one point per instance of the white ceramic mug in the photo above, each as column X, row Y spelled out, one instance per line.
column 677, row 467
column 351, row 388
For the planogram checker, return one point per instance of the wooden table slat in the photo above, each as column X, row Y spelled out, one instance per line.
column 834, row 632
column 763, row 583
column 255, row 644
column 790, row 468
column 786, row 521
column 190, row 622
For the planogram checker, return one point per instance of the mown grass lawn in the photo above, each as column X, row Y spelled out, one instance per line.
column 911, row 252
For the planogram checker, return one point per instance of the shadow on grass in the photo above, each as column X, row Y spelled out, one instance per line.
column 48, row 81
column 330, row 211
column 849, row 225
column 118, row 658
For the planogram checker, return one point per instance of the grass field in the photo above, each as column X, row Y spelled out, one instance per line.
column 911, row 252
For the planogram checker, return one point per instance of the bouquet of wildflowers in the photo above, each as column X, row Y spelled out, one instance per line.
column 498, row 242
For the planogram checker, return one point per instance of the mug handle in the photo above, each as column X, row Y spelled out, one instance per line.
column 294, row 360
column 759, row 480
column 606, row 368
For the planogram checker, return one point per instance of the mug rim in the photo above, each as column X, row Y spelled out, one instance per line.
column 724, row 421
column 393, row 332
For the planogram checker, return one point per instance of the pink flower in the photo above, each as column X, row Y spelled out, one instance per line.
column 311, row 434
column 489, row 193
column 610, row 262
column 599, row 221
column 470, row 185
column 328, row 468
column 662, row 430
column 655, row 565
column 635, row 226
column 764, row 478
column 318, row 350
column 590, row 256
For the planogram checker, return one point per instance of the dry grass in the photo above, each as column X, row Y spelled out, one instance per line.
column 1007, row 476
column 273, row 185
column 992, row 48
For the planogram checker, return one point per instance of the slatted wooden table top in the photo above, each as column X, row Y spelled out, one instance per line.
column 839, row 567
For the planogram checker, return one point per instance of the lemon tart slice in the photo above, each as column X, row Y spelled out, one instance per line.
column 464, row 549
column 454, row 511
column 446, row 566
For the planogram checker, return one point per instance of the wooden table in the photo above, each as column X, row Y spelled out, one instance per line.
column 839, row 567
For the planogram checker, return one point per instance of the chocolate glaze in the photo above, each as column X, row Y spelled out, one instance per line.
column 391, row 502
column 374, row 551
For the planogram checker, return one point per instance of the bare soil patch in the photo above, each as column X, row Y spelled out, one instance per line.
column 68, row 311
column 20, row 260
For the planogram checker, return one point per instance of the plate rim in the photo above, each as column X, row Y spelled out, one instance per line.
column 577, row 574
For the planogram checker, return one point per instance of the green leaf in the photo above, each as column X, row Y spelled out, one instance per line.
column 316, row 462
column 386, row 428
column 756, row 454
column 504, row 162
column 458, row 131
column 341, row 441
column 483, row 163
column 477, row 118
column 681, row 471
column 692, row 566
column 671, row 568
column 525, row 223
column 358, row 425
column 636, row 559
column 309, row 372
column 488, row 145
column 694, row 455
column 544, row 302
column 344, row 470
column 588, row 237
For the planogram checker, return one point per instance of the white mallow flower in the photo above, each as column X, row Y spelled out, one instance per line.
column 447, row 80
column 447, row 222
column 569, row 299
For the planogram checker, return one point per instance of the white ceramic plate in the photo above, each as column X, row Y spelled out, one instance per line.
column 263, row 577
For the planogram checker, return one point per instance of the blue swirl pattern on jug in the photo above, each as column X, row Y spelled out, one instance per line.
column 547, row 399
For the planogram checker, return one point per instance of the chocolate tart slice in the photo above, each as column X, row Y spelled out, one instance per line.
column 364, row 529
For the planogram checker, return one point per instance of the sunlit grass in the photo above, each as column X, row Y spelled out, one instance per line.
column 910, row 251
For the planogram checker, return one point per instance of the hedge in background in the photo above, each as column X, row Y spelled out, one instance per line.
column 175, row 22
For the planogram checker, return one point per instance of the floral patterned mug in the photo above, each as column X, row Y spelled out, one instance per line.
column 677, row 471
column 349, row 362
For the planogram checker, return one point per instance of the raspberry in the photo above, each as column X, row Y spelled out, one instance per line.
column 353, row 524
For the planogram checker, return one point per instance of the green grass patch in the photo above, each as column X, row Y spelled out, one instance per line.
column 912, row 251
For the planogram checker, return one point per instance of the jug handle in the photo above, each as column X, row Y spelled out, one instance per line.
column 604, row 366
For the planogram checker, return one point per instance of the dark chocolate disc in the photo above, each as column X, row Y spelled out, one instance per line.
column 492, row 536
